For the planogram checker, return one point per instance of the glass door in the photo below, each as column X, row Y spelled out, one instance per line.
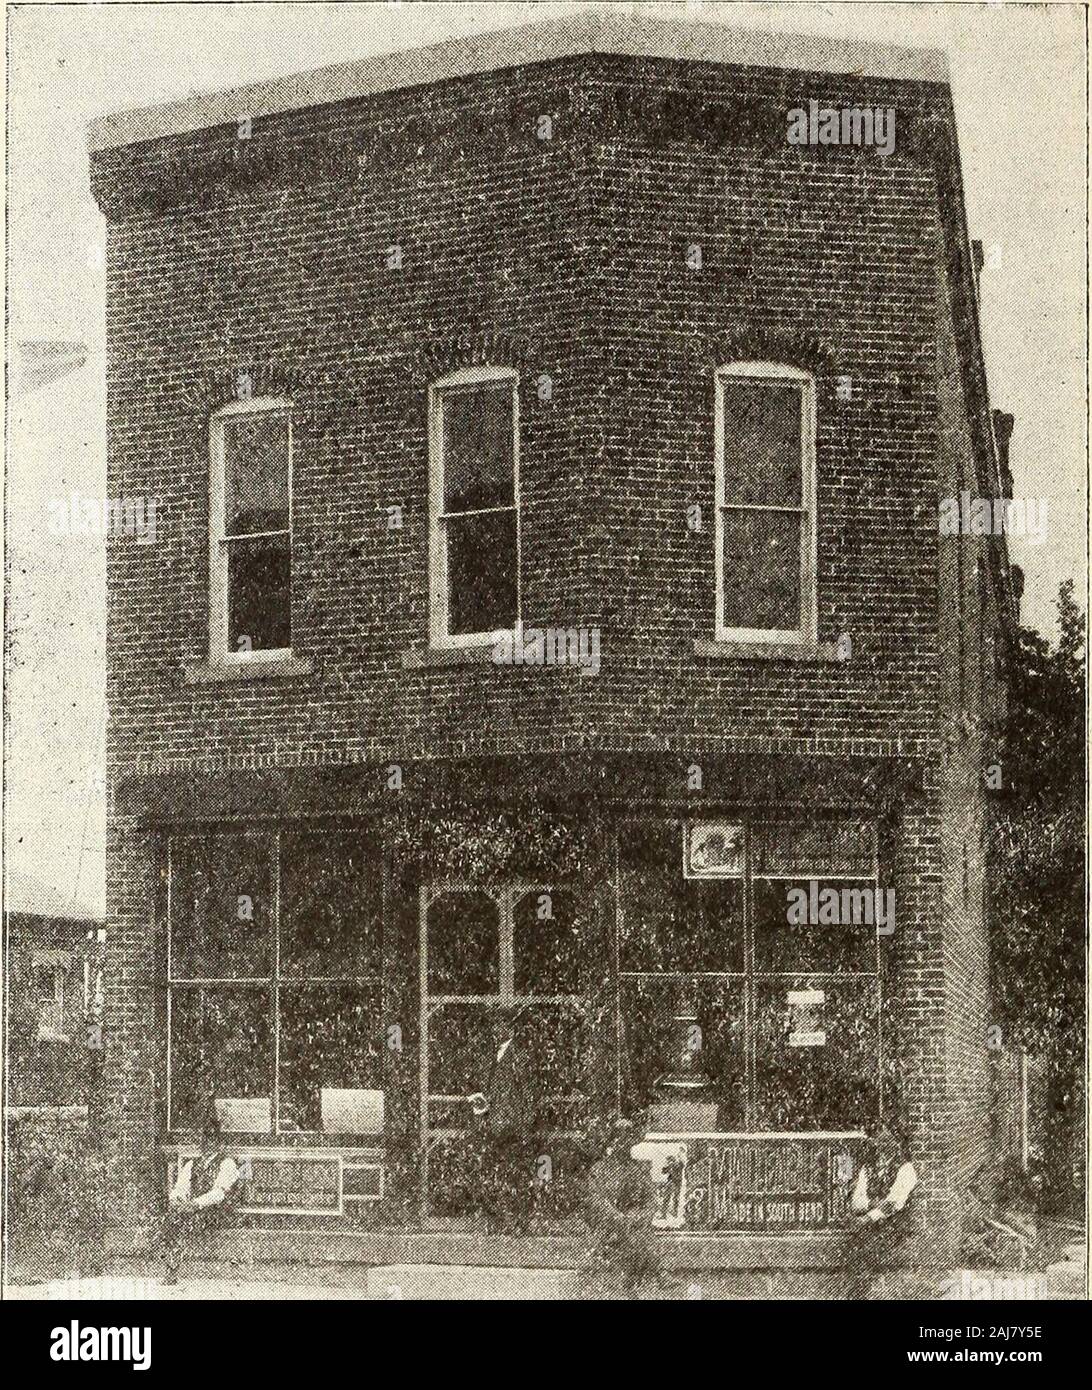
column 520, row 947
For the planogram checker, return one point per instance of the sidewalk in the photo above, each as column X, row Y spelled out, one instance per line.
column 508, row 1283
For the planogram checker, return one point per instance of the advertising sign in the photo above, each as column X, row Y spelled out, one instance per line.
column 760, row 1183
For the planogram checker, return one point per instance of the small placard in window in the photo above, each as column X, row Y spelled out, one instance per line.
column 713, row 849
column 804, row 1006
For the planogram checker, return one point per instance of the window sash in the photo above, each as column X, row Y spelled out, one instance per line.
column 253, row 536
column 220, row 649
column 797, row 545
column 505, row 898
column 807, row 626
column 464, row 382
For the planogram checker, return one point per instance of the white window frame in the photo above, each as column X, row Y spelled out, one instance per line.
column 807, row 631
column 219, row 650
column 439, row 616
column 51, row 1015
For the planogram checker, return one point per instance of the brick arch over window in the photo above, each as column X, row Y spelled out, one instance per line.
column 254, row 380
column 755, row 343
column 484, row 348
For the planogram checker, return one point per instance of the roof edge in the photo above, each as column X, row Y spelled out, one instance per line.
column 640, row 36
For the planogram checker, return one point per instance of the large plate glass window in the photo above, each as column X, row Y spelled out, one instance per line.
column 681, row 954
column 274, row 984
column 749, row 961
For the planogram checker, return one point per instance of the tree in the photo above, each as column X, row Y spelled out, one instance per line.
column 1038, row 862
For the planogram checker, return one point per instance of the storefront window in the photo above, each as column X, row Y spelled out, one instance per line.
column 670, row 923
column 222, row 889
column 681, row 957
column 749, row 961
column 816, row 1054
column 331, row 909
column 256, row 922
column 823, row 925
column 676, row 1030
column 221, row 1048
column 328, row 1044
column 819, row 914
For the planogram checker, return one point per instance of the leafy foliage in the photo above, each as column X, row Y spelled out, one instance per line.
column 491, row 846
column 1038, row 862
column 56, row 1176
column 1038, row 849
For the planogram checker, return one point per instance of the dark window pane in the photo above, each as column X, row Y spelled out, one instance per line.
column 221, row 907
column 816, row 1054
column 330, row 1041
column 463, row 944
column 547, row 939
column 816, row 924
column 259, row 594
column 671, row 923
column 825, row 848
column 221, row 1048
column 481, row 572
column 655, row 1041
column 256, row 473
column 479, row 462
column 552, row 1040
column 461, row 1048
column 762, row 456
column 762, row 569
column 331, row 904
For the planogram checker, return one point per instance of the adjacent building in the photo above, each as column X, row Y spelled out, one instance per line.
column 53, row 952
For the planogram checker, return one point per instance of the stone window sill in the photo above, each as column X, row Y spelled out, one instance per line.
column 432, row 658
column 768, row 651
column 424, row 658
column 207, row 672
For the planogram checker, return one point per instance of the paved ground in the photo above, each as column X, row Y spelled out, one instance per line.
column 240, row 1280
column 410, row 1282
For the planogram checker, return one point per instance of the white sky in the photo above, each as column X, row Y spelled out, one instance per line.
column 1018, row 82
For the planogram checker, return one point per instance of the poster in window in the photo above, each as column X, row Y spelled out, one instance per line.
column 713, row 849
column 804, row 1018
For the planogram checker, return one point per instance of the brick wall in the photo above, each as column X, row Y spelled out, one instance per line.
column 970, row 707
column 565, row 257
column 134, row 1035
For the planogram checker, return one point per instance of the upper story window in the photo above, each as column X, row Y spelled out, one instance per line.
column 474, row 524
column 49, row 971
column 765, row 490
column 250, row 530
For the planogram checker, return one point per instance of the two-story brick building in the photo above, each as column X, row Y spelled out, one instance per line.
column 547, row 453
